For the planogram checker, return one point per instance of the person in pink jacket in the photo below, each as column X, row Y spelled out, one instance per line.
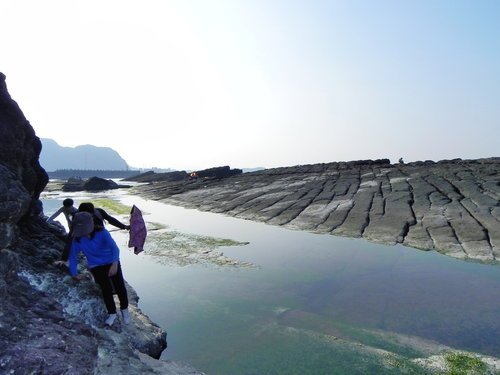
column 138, row 231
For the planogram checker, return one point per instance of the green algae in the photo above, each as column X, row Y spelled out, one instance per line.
column 464, row 364
column 169, row 247
column 152, row 226
column 187, row 241
column 111, row 205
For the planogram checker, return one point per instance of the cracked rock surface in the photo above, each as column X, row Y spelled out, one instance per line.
column 451, row 206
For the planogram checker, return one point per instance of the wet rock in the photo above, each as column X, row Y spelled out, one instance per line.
column 34, row 334
column 61, row 328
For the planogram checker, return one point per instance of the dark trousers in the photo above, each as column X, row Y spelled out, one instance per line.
column 67, row 247
column 67, row 244
column 106, row 283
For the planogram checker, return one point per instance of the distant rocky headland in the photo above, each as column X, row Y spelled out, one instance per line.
column 55, row 157
column 451, row 206
column 86, row 161
column 64, row 174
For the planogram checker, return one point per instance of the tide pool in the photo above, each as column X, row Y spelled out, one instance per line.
column 303, row 303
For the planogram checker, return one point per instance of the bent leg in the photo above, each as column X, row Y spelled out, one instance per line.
column 67, row 247
column 102, row 279
column 120, row 288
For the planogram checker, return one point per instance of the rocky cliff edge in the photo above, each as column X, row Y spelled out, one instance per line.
column 50, row 324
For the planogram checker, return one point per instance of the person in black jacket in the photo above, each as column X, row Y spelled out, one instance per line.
column 100, row 215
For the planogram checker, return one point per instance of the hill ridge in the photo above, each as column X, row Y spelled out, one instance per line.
column 55, row 157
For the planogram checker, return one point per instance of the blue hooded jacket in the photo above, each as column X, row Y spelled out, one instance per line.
column 99, row 250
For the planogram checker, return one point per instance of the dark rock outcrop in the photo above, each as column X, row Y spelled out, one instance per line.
column 151, row 176
column 211, row 173
column 218, row 172
column 35, row 336
column 92, row 184
column 49, row 324
column 21, row 177
column 451, row 206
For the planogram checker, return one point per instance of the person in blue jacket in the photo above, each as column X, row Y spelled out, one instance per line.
column 99, row 216
column 103, row 260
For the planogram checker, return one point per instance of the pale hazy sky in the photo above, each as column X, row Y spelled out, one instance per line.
column 197, row 84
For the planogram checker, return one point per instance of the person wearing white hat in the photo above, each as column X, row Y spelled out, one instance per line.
column 103, row 260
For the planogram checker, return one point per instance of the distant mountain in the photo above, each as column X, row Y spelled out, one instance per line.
column 54, row 157
column 248, row 170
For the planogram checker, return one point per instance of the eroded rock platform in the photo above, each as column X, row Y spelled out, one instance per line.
column 451, row 206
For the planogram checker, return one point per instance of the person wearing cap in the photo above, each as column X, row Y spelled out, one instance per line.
column 99, row 216
column 103, row 260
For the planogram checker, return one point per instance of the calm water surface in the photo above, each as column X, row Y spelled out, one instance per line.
column 281, row 316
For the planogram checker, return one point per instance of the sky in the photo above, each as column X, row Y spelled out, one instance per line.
column 258, row 83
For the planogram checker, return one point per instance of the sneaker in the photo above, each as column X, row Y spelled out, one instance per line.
column 110, row 319
column 125, row 316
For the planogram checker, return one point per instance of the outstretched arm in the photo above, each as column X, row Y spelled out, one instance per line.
column 55, row 214
column 110, row 219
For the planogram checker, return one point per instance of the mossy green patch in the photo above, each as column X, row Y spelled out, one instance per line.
column 152, row 226
column 212, row 242
column 184, row 248
column 464, row 364
column 179, row 241
column 112, row 206
column 404, row 366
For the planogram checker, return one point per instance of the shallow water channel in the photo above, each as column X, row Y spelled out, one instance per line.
column 302, row 303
